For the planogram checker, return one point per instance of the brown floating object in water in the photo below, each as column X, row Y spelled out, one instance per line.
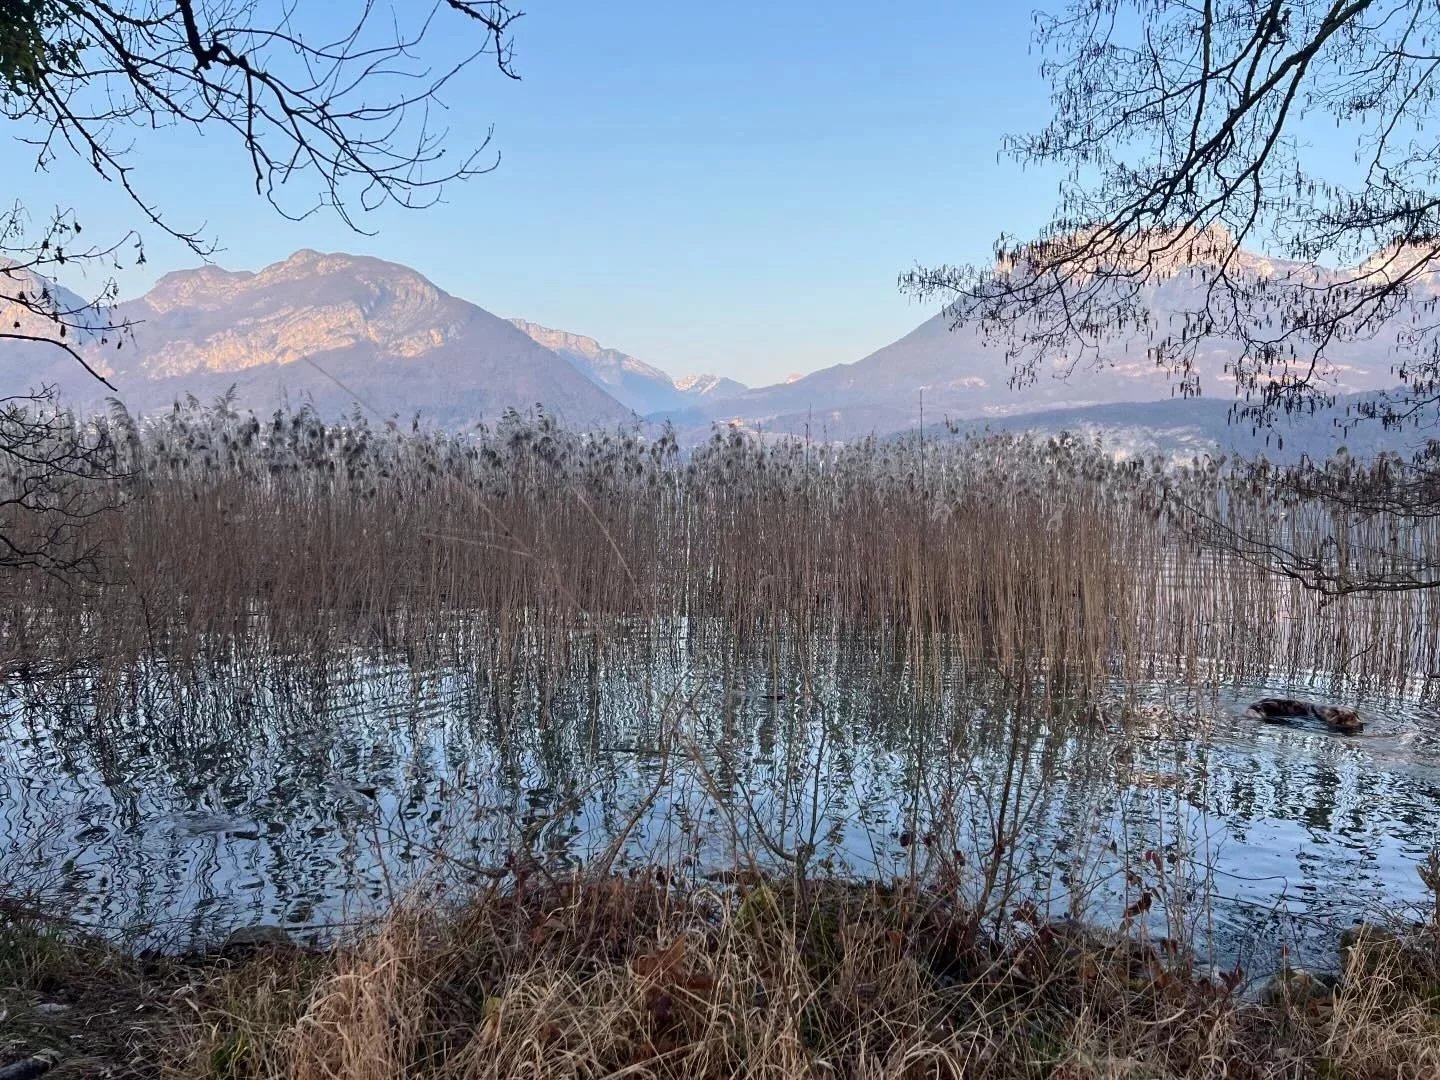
column 1279, row 710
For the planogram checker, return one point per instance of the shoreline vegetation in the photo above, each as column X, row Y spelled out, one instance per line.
column 627, row 975
column 525, row 546
column 1043, row 578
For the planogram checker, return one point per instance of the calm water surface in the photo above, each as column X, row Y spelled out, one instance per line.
column 172, row 808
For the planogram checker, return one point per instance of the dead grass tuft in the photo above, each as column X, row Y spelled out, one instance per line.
column 626, row 978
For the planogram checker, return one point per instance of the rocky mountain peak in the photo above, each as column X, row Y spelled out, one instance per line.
column 563, row 339
column 339, row 330
column 1165, row 252
column 642, row 387
column 204, row 287
column 709, row 385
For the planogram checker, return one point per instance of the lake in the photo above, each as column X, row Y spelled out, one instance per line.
column 167, row 806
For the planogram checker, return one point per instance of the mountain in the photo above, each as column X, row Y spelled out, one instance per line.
column 336, row 330
column 340, row 330
column 17, row 284
column 632, row 382
column 26, row 301
column 935, row 372
column 639, row 386
column 711, row 388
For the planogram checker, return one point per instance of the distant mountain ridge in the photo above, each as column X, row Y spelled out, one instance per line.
column 938, row 371
column 639, row 386
column 713, row 387
column 330, row 329
column 342, row 331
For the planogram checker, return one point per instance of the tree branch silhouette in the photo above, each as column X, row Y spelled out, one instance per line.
column 1180, row 132
column 343, row 123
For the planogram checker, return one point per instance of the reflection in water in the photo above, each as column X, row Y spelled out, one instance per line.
column 173, row 806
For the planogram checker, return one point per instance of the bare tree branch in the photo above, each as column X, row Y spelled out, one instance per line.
column 1182, row 130
column 336, row 120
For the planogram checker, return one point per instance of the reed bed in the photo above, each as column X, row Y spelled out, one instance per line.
column 529, row 541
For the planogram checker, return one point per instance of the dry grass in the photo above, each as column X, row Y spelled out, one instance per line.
column 628, row 977
column 67, row 993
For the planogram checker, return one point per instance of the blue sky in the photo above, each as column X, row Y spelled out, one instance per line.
column 723, row 188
